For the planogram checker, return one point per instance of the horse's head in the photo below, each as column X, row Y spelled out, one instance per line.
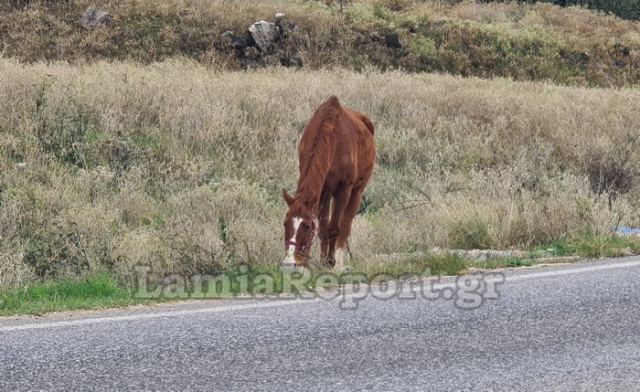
column 300, row 227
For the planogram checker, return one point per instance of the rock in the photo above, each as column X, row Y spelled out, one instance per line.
column 21, row 165
column 93, row 17
column 293, row 60
column 291, row 43
column 242, row 42
column 292, row 34
column 281, row 42
column 251, row 58
column 271, row 60
column 251, row 53
column 392, row 40
column 238, row 42
column 264, row 34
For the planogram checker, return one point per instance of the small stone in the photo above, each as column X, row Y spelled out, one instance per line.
column 93, row 17
column 21, row 165
column 251, row 53
column 280, row 15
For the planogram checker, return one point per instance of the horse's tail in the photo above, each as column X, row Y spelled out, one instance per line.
column 369, row 124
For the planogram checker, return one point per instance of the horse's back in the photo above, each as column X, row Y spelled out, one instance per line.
column 357, row 116
column 345, row 136
column 357, row 146
column 323, row 121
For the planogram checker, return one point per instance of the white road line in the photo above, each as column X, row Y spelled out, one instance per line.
column 546, row 274
column 149, row 316
column 276, row 303
column 573, row 271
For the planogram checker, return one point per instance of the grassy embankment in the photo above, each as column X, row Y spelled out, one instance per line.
column 178, row 165
column 113, row 165
column 102, row 290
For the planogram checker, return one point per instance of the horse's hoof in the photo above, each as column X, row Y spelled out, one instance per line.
column 327, row 262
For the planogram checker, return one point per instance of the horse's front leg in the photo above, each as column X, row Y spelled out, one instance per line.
column 323, row 223
column 340, row 199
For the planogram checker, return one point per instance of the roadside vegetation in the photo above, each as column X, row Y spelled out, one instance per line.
column 112, row 165
column 521, row 41
column 148, row 142
column 89, row 293
column 98, row 289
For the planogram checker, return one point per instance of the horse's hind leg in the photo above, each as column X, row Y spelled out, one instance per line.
column 323, row 223
column 350, row 212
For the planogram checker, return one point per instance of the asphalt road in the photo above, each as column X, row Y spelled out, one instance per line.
column 562, row 328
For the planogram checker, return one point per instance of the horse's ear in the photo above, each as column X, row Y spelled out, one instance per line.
column 287, row 197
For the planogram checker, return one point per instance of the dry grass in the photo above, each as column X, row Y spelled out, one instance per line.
column 524, row 42
column 179, row 166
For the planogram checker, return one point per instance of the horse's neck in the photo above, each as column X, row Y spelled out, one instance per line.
column 314, row 175
column 310, row 187
column 319, row 150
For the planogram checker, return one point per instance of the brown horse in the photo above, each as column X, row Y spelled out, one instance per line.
column 336, row 158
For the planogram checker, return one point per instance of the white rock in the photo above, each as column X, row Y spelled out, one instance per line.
column 93, row 17
column 264, row 33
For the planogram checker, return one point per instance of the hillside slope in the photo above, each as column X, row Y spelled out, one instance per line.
column 524, row 42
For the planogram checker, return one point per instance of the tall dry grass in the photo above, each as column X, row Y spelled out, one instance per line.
column 179, row 166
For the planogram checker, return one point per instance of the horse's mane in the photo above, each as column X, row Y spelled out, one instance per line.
column 316, row 152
